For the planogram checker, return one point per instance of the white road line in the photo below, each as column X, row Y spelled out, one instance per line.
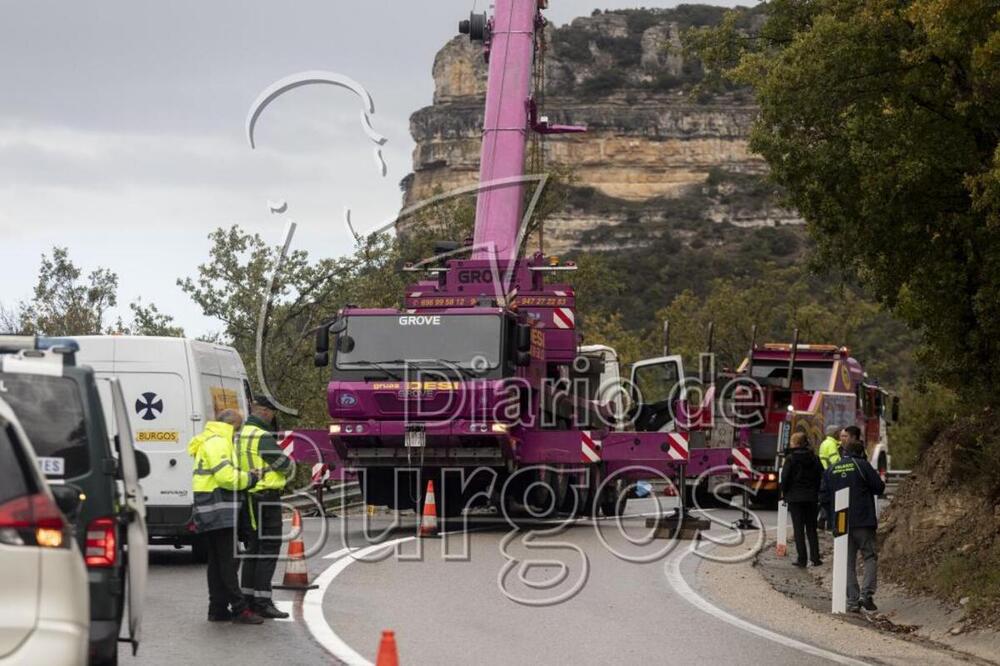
column 312, row 607
column 672, row 569
column 338, row 553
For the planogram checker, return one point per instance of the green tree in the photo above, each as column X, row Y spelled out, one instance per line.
column 879, row 118
column 779, row 301
column 66, row 303
column 148, row 320
column 249, row 288
column 598, row 290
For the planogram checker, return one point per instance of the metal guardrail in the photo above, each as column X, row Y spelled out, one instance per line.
column 337, row 496
column 893, row 478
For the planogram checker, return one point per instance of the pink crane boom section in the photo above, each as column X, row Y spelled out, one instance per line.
column 505, row 131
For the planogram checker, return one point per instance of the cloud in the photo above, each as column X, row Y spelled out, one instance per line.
column 121, row 130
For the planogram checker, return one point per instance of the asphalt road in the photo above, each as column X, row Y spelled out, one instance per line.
column 546, row 595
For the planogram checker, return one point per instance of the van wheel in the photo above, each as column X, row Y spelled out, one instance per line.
column 199, row 551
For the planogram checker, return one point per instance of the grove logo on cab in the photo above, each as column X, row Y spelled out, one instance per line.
column 420, row 320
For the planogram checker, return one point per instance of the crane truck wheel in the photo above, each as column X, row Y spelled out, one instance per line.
column 547, row 494
column 581, row 500
column 614, row 497
column 530, row 494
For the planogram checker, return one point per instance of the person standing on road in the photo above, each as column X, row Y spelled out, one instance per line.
column 261, row 515
column 829, row 449
column 829, row 454
column 801, row 476
column 853, row 471
column 847, row 435
column 216, row 483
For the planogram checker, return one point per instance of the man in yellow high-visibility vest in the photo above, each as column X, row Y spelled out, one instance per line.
column 829, row 448
column 217, row 484
column 262, row 529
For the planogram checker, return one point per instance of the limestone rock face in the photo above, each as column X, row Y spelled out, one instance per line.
column 459, row 72
column 652, row 138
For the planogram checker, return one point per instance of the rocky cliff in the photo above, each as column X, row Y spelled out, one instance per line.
column 657, row 154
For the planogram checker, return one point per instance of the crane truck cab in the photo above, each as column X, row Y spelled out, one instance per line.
column 171, row 386
column 59, row 405
column 657, row 387
column 420, row 389
column 600, row 368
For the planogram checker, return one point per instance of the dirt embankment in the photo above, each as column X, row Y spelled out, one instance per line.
column 941, row 535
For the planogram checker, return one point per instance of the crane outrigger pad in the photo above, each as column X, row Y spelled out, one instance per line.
column 679, row 526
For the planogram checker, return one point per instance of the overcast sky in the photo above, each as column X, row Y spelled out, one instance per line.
column 122, row 127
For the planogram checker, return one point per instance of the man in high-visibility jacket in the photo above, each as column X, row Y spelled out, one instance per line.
column 262, row 528
column 829, row 448
column 217, row 483
column 829, row 454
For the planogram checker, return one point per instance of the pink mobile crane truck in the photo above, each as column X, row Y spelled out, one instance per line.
column 480, row 383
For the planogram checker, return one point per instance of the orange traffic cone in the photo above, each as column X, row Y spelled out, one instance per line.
column 296, row 574
column 387, row 653
column 429, row 520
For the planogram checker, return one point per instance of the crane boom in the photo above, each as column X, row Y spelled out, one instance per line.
column 505, row 132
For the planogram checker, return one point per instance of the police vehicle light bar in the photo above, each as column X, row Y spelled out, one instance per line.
column 13, row 344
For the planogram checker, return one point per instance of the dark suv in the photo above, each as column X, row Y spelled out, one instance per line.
column 60, row 407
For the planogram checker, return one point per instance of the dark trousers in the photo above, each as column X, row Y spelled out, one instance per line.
column 861, row 539
column 804, row 525
column 223, row 582
column 263, row 543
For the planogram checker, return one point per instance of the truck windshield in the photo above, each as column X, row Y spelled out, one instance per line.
column 51, row 413
column 469, row 342
column 806, row 376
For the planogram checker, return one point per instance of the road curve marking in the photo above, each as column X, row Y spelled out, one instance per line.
column 672, row 568
column 338, row 553
column 312, row 606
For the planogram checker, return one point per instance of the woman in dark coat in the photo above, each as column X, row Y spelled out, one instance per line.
column 800, row 480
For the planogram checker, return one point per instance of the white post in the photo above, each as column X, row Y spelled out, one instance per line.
column 781, row 544
column 841, row 503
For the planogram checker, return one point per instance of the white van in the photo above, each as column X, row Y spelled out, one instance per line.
column 172, row 387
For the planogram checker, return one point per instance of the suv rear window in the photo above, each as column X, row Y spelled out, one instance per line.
column 14, row 480
column 51, row 413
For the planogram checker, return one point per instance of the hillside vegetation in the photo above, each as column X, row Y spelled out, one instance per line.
column 879, row 119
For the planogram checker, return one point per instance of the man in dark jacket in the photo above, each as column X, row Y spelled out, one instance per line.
column 853, row 471
column 800, row 480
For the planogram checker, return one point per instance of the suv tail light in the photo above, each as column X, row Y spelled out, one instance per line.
column 102, row 542
column 32, row 520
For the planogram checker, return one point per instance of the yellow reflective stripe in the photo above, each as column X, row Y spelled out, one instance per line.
column 213, row 470
column 216, row 506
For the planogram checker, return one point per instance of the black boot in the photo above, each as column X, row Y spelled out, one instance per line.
column 266, row 608
column 219, row 615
